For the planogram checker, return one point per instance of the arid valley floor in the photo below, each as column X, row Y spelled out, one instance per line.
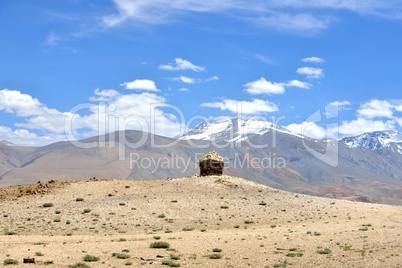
column 207, row 222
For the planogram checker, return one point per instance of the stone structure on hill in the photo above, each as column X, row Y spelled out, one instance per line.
column 211, row 164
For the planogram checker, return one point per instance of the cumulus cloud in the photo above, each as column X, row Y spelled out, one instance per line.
column 186, row 79
column 311, row 72
column 376, row 108
column 299, row 84
column 192, row 80
column 256, row 106
column 262, row 86
column 104, row 95
column 341, row 105
column 308, row 129
column 212, row 78
column 140, row 84
column 41, row 125
column 313, row 59
column 361, row 125
column 180, row 64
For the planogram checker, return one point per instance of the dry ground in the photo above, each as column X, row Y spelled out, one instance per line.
column 253, row 225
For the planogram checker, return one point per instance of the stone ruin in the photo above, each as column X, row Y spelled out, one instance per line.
column 211, row 164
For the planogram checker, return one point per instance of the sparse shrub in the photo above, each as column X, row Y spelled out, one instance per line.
column 79, row 265
column 157, row 237
column 187, row 229
column 324, row 251
column 174, row 257
column 90, row 258
column 224, row 207
column 87, row 210
column 237, row 226
column 79, row 199
column 121, row 255
column 128, row 263
column 215, row 256
column 317, row 233
column 122, row 204
column 68, row 222
column 10, row 262
column 159, row 244
column 122, row 239
column 294, row 254
column 216, row 250
column 167, row 231
column 57, row 212
column 47, row 205
column 161, row 216
column 38, row 253
column 171, row 264
column 57, row 220
column 248, row 222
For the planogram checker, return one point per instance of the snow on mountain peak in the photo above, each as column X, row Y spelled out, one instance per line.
column 230, row 129
column 374, row 140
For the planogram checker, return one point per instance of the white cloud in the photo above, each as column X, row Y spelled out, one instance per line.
column 299, row 84
column 301, row 24
column 313, row 59
column 183, row 89
column 311, row 72
column 186, row 79
column 299, row 17
column 256, row 106
column 308, row 129
column 23, row 105
column 140, row 84
column 53, row 39
column 180, row 64
column 191, row 80
column 361, row 125
column 104, row 95
column 212, row 78
column 145, row 111
column 262, row 86
column 376, row 108
column 341, row 105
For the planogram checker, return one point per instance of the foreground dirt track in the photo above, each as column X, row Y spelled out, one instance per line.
column 252, row 226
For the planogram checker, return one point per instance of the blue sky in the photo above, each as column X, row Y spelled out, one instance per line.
column 72, row 69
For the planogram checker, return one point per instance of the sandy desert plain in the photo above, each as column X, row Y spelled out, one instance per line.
column 214, row 221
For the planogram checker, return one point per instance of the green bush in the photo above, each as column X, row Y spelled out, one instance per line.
column 47, row 205
column 171, row 264
column 90, row 258
column 159, row 244
column 10, row 262
column 121, row 255
column 324, row 251
column 216, row 250
column 79, row 265
column 215, row 256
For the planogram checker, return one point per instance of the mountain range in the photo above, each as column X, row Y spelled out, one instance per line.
column 365, row 168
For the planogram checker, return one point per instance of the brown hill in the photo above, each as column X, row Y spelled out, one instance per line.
column 207, row 221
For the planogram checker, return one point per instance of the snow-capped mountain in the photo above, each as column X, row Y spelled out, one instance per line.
column 376, row 141
column 225, row 129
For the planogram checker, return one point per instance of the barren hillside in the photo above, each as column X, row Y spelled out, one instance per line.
column 207, row 222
